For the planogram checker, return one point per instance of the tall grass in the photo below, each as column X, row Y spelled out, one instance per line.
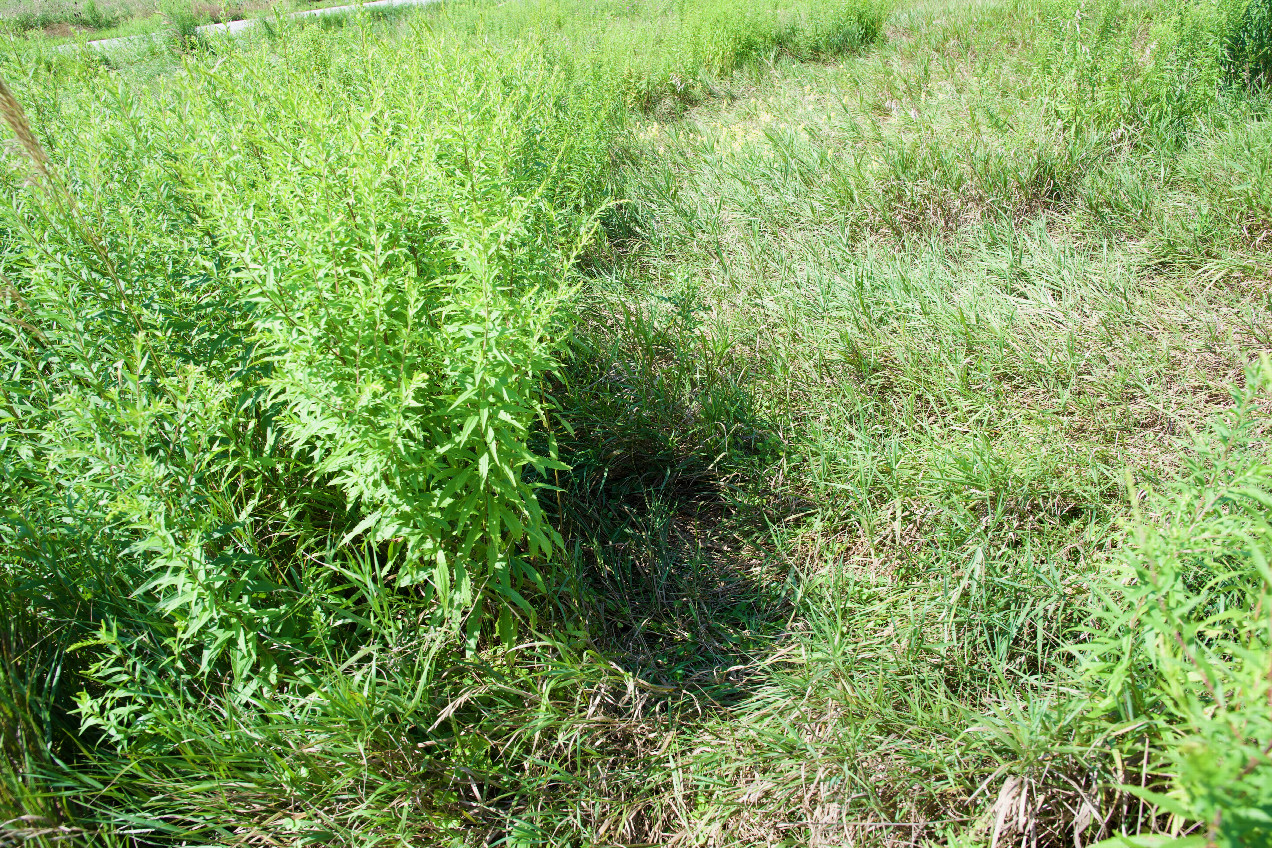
column 279, row 428
column 707, row 423
column 1246, row 35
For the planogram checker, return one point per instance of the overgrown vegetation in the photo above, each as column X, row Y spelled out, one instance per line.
column 67, row 21
column 40, row 16
column 694, row 422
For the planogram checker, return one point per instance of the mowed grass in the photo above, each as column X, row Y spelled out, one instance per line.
column 889, row 388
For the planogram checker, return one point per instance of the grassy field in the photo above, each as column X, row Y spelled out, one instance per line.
column 63, row 20
column 657, row 422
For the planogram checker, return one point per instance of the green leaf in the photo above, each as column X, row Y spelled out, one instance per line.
column 1152, row 841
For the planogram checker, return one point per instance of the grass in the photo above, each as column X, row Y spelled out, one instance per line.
column 697, row 423
column 62, row 22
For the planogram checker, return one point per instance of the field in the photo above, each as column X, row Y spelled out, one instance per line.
column 62, row 20
column 642, row 422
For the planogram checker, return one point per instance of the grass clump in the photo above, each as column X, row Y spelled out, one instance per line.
column 182, row 23
column 674, row 53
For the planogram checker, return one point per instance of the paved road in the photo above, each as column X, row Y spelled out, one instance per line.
column 234, row 27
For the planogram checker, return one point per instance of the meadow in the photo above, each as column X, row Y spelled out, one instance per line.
column 68, row 21
column 642, row 422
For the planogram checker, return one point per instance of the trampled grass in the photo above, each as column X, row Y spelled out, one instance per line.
column 655, row 423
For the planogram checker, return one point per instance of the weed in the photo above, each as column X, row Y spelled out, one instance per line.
column 1247, row 42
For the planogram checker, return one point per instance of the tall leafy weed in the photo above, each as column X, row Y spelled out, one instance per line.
column 1182, row 648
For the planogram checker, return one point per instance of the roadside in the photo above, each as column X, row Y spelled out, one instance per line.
column 187, row 29
column 68, row 21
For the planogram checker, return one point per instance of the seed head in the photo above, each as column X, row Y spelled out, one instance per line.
column 11, row 111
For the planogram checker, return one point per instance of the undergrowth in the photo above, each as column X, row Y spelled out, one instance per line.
column 673, row 422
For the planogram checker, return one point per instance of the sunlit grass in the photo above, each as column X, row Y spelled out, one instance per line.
column 702, row 423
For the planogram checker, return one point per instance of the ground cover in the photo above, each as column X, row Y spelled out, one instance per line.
column 62, row 21
column 704, row 423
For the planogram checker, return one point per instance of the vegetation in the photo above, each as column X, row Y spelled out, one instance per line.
column 40, row 16
column 703, row 422
column 66, row 20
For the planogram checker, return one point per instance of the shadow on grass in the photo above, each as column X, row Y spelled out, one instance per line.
column 682, row 592
column 664, row 511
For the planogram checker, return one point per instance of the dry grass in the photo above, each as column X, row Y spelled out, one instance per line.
column 12, row 113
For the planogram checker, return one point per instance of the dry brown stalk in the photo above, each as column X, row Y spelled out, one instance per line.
column 15, row 117
column 11, row 111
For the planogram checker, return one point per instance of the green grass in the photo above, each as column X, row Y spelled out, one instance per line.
column 61, row 22
column 672, row 422
column 45, row 14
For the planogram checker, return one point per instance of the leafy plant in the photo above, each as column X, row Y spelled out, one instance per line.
column 1247, row 41
column 1183, row 650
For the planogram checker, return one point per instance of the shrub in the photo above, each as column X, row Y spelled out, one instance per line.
column 328, row 346
column 413, row 306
